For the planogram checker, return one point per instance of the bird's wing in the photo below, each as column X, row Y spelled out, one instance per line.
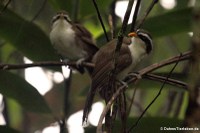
column 86, row 38
column 103, row 66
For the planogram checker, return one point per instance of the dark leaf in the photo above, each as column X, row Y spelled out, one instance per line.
column 26, row 37
column 6, row 129
column 15, row 87
column 170, row 23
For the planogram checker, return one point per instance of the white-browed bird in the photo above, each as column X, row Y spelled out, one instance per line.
column 133, row 49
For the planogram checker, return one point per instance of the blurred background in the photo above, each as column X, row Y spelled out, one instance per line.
column 35, row 100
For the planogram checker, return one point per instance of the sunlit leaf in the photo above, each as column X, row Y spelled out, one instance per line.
column 15, row 87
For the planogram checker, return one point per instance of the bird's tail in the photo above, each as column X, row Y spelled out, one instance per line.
column 88, row 105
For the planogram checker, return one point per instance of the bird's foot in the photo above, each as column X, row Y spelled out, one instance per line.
column 135, row 74
column 65, row 61
column 79, row 63
column 123, row 83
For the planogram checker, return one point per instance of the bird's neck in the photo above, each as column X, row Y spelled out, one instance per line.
column 61, row 24
column 137, row 49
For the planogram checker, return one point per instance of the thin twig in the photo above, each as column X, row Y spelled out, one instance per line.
column 170, row 81
column 66, row 102
column 110, row 21
column 114, row 17
column 148, row 69
column 41, row 64
column 123, row 29
column 140, row 23
column 132, row 100
column 155, row 98
column 120, row 37
column 5, row 7
column 135, row 15
column 112, row 73
column 100, row 19
column 162, row 79
column 39, row 11
column 75, row 10
column 185, row 56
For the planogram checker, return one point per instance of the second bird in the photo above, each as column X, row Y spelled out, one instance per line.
column 71, row 40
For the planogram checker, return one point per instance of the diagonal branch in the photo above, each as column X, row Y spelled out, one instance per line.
column 39, row 11
column 185, row 56
column 100, row 19
column 156, row 97
column 135, row 15
column 123, row 30
column 5, row 7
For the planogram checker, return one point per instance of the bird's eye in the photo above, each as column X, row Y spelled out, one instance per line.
column 55, row 18
column 144, row 36
column 65, row 17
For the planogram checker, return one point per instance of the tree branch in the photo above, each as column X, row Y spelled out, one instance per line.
column 156, row 97
column 148, row 69
column 41, row 64
column 140, row 23
column 39, row 11
column 170, row 81
column 135, row 15
column 100, row 19
column 5, row 7
column 185, row 56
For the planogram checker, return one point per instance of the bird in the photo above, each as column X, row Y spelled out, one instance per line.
column 72, row 41
column 134, row 48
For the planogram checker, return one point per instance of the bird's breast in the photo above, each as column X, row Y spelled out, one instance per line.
column 63, row 40
column 136, row 53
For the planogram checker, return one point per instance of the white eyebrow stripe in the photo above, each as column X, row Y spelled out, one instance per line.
column 147, row 36
column 58, row 16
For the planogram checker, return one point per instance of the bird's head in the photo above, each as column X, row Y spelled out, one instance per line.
column 61, row 17
column 145, row 37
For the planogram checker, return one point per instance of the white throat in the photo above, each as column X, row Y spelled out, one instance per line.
column 62, row 37
column 138, row 51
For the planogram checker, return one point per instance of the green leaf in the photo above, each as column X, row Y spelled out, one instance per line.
column 6, row 129
column 102, row 5
column 15, row 87
column 169, row 23
column 26, row 37
column 61, row 4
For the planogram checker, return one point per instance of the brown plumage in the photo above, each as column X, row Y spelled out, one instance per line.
column 103, row 67
column 133, row 49
column 71, row 40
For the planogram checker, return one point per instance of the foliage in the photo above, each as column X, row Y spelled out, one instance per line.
column 21, row 36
